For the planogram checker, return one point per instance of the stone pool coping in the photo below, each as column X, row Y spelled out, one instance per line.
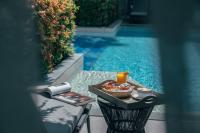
column 109, row 31
column 66, row 70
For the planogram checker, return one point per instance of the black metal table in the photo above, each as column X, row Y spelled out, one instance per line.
column 126, row 115
column 121, row 120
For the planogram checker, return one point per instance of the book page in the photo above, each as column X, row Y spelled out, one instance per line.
column 57, row 89
column 73, row 98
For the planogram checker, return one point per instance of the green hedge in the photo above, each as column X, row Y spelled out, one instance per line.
column 56, row 25
column 96, row 12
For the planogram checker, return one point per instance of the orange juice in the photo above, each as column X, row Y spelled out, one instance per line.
column 122, row 77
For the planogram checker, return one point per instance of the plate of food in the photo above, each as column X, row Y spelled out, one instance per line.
column 118, row 90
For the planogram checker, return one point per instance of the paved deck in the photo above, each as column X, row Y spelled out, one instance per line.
column 98, row 125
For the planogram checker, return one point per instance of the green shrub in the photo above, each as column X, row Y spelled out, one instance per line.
column 56, row 25
column 96, row 12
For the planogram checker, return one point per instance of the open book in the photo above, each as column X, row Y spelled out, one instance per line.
column 62, row 92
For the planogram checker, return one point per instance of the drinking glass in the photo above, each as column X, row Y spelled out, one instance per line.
column 122, row 77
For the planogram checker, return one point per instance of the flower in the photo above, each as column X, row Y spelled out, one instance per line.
column 63, row 17
column 54, row 2
column 66, row 33
column 63, row 27
column 54, row 21
column 41, row 13
column 58, row 32
column 33, row 6
column 62, row 7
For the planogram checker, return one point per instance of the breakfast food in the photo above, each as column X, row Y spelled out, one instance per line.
column 115, row 86
column 110, row 85
column 118, row 90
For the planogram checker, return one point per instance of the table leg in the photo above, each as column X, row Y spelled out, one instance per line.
column 88, row 124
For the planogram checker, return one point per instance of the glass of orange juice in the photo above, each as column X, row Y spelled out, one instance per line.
column 122, row 77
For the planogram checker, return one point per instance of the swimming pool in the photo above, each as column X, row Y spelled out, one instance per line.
column 133, row 49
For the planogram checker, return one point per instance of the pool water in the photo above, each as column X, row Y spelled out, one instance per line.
column 133, row 49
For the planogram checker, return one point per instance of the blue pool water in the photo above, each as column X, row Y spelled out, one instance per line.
column 133, row 49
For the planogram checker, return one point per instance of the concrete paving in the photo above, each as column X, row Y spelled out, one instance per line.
column 98, row 125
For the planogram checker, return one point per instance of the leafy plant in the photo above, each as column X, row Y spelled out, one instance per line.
column 56, row 25
column 96, row 12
